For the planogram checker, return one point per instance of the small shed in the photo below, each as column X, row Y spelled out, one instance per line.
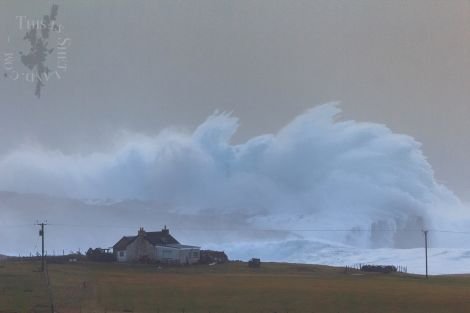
column 254, row 262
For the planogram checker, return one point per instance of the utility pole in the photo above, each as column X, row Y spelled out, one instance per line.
column 426, row 250
column 41, row 234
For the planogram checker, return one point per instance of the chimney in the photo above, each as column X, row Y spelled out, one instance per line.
column 165, row 231
column 141, row 232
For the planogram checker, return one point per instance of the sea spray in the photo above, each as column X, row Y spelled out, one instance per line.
column 375, row 187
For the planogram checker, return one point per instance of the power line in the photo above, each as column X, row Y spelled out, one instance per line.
column 205, row 229
column 246, row 229
column 15, row 226
column 449, row 231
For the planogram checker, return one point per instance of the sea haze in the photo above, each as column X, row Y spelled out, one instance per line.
column 320, row 190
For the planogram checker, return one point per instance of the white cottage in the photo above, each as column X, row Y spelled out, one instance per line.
column 157, row 246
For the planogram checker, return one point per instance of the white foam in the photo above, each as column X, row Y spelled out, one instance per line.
column 316, row 172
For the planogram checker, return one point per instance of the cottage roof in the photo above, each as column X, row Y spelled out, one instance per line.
column 160, row 238
column 155, row 238
column 123, row 243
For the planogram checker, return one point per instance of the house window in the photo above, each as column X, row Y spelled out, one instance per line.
column 121, row 254
column 195, row 254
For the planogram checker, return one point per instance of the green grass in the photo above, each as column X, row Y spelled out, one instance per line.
column 22, row 289
column 231, row 288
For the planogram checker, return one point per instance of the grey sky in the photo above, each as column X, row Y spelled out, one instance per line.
column 146, row 65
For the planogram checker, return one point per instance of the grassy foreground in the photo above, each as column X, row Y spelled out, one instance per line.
column 231, row 288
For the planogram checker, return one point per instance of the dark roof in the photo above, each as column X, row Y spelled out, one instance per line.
column 160, row 238
column 155, row 238
column 123, row 243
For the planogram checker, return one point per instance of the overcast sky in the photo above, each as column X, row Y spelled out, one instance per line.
column 141, row 66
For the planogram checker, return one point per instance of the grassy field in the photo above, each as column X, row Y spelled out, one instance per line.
column 231, row 288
